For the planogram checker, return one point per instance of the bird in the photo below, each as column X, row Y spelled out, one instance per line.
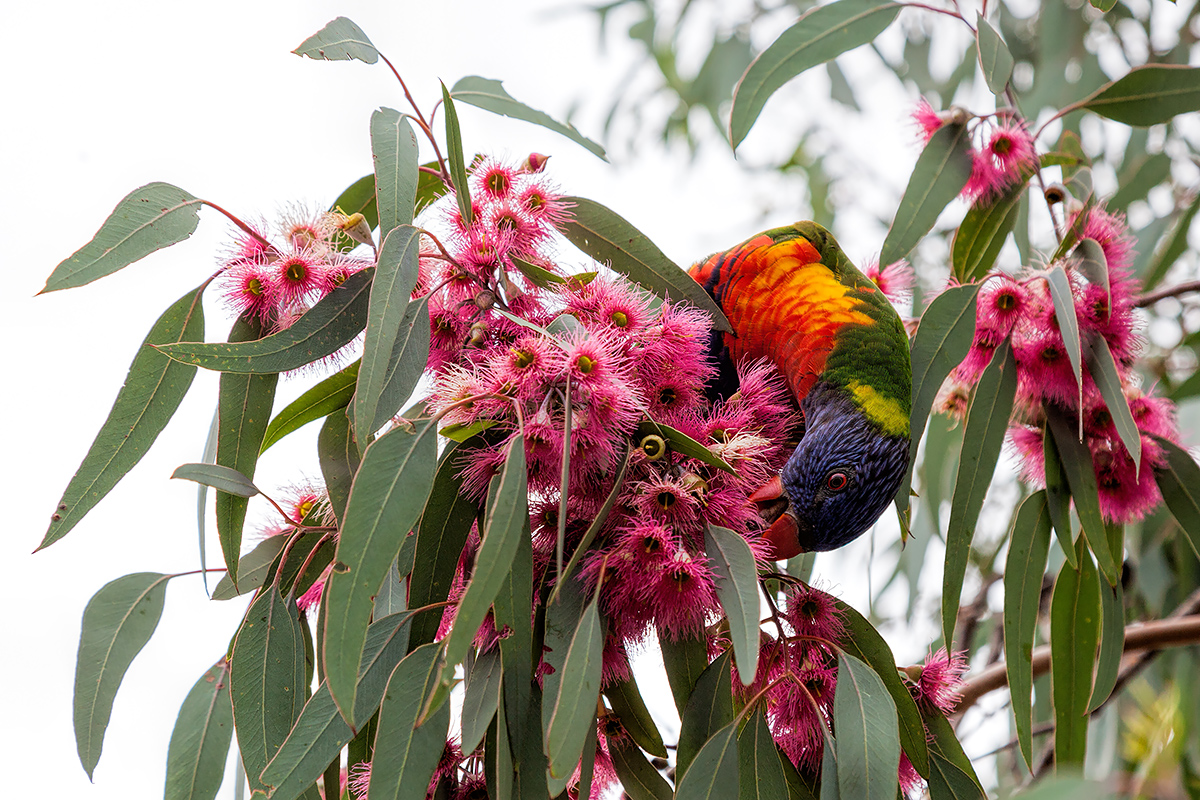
column 793, row 297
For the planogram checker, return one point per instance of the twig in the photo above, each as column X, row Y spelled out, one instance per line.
column 1150, row 298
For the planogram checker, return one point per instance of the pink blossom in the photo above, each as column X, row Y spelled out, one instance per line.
column 305, row 229
column 941, row 679
column 250, row 290
column 312, row 596
column 895, row 280
column 911, row 782
column 541, row 199
column 813, row 613
column 987, row 181
column 683, row 595
column 360, row 780
column 1011, row 148
column 799, row 713
column 926, row 119
column 493, row 180
column 297, row 277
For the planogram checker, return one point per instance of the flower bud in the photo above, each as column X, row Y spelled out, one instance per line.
column 355, row 226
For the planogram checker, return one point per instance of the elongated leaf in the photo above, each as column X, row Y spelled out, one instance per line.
column 150, row 218
column 538, row 276
column 1081, row 478
column 498, row 766
column 681, row 443
column 994, row 59
column 943, row 339
column 1074, row 632
column 1028, row 547
column 445, row 524
column 491, row 96
column 983, row 438
column 737, row 589
column 638, row 778
column 406, row 755
column 1093, row 265
column 948, row 782
column 1112, row 644
column 394, row 149
column 940, row 174
column 320, row 732
column 326, row 397
column 1148, row 95
column 410, row 354
column 562, row 617
column 323, row 330
column 760, row 767
column 596, row 524
column 713, row 774
column 153, row 390
column 267, row 680
column 684, row 660
column 945, row 749
column 821, row 35
column 1058, row 497
column 1103, row 368
column 209, row 457
column 868, row 742
column 709, row 708
column 454, row 154
column 218, row 477
column 200, row 740
column 1150, row 172
column 481, row 698
column 395, row 277
column 609, row 238
column 117, row 623
column 386, row 499
column 575, row 706
column 830, row 789
column 507, row 517
column 243, row 410
column 339, row 40
column 253, row 569
column 340, row 458
column 864, row 642
column 626, row 701
column 1165, row 257
column 1068, row 322
column 980, row 236
column 1179, row 482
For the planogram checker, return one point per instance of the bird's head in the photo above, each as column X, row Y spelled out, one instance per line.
column 839, row 480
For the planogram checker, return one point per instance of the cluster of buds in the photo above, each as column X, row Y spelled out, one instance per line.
column 1002, row 152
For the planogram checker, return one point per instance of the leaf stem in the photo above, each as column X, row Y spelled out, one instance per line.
column 420, row 118
column 258, row 237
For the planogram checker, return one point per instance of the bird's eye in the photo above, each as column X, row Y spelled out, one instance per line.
column 837, row 481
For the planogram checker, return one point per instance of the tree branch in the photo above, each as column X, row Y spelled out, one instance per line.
column 1150, row 298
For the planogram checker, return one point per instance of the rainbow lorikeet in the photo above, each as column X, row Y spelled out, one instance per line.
column 793, row 297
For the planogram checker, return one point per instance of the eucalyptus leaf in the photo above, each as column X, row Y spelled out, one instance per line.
column 339, row 40
column 709, row 708
column 405, row 754
column 683, row 444
column 1148, row 95
column 575, row 707
column 626, row 701
column 1068, row 322
column 737, row 588
column 218, row 477
column 760, row 766
column 713, row 774
column 1074, row 633
column 1112, row 644
column 328, row 396
column 1081, row 478
column 980, row 236
column 394, row 150
column 639, row 779
column 481, row 697
column 1179, row 482
column 253, row 569
column 340, row 458
column 1107, row 376
column 1058, row 497
column 868, row 743
column 200, row 739
column 490, row 96
column 994, row 59
column 454, row 154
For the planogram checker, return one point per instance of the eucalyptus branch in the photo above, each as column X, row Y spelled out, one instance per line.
column 1150, row 298
column 258, row 237
column 420, row 118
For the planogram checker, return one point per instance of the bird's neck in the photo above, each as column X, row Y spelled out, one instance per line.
column 886, row 413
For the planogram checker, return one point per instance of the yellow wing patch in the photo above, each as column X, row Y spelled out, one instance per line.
column 884, row 411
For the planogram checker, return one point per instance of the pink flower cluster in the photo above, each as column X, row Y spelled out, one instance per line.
column 1022, row 312
column 1003, row 154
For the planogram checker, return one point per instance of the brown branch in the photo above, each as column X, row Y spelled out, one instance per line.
column 1155, row 635
column 1150, row 298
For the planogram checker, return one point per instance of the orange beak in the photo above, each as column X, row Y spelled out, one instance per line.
column 771, row 490
column 783, row 535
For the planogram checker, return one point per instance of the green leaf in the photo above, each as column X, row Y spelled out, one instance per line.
column 1166, row 257
column 983, row 438
column 458, row 432
column 1028, row 547
column 1147, row 95
column 714, row 772
column 395, row 277
column 818, row 36
column 498, row 764
column 1058, row 497
column 1112, row 644
column 117, row 623
column 683, row 660
column 406, row 755
column 323, row 330
column 268, row 680
column 1068, row 322
column 410, row 354
column 253, row 569
column 155, row 216
column 1179, row 482
column 538, row 276
column 575, row 707
column 1103, row 368
column 320, row 732
column 1136, row 184
column 340, row 458
column 596, row 524
column 507, row 516
column 454, row 154
column 491, row 96
column 602, row 234
column 945, row 751
column 940, row 174
column 224, row 478
column 683, row 444
column 153, row 390
column 737, row 589
column 481, row 698
column 626, row 701
column 868, row 742
column 948, row 782
column 429, row 185
column 445, row 524
column 340, row 40
column 864, row 642
column 995, row 61
column 709, row 708
column 980, row 236
column 638, row 778
column 394, row 150
column 386, row 499
column 1081, row 478
column 209, row 457
column 328, row 396
column 1093, row 265
column 943, row 339
column 1074, row 632
column 358, row 198
column 562, row 616
column 760, row 767
column 1105, row 6
column 244, row 405
column 200, row 740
